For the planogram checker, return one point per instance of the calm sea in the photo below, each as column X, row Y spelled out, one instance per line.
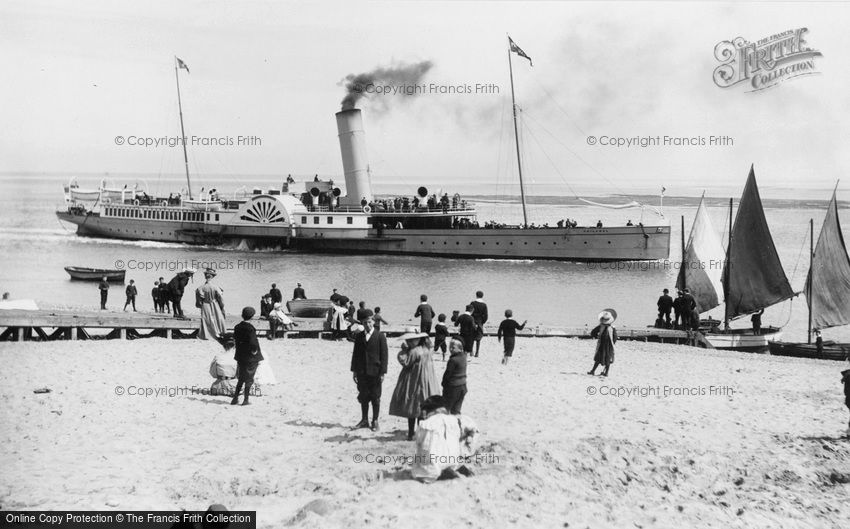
column 35, row 247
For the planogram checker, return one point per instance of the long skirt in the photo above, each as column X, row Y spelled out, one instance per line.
column 212, row 321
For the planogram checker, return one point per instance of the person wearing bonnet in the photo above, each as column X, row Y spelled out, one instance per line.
column 417, row 380
column 443, row 443
column 209, row 298
column 606, row 336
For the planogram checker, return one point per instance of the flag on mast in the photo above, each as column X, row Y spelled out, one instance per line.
column 181, row 64
column 516, row 49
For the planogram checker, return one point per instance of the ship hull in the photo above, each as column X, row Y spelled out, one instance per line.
column 743, row 339
column 170, row 231
column 626, row 243
column 829, row 350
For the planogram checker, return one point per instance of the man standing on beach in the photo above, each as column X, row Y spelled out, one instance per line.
column 479, row 314
column 277, row 296
column 131, row 292
column 466, row 329
column 425, row 313
column 368, row 366
column 299, row 293
column 104, row 292
column 155, row 296
column 665, row 305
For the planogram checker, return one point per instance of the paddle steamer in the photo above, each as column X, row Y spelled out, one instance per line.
column 316, row 216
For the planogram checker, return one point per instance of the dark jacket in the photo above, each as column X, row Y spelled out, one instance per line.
column 131, row 291
column 277, row 297
column 466, row 325
column 298, row 293
column 369, row 358
column 245, row 336
column 665, row 303
column 178, row 284
column 479, row 312
column 425, row 313
column 455, row 374
column 441, row 332
column 688, row 302
column 846, row 379
column 104, row 285
column 508, row 328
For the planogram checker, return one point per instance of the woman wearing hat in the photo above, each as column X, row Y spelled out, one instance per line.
column 606, row 336
column 417, row 380
column 210, row 300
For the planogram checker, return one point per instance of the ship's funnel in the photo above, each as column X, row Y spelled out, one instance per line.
column 352, row 146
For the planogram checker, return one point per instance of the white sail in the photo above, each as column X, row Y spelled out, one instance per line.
column 702, row 263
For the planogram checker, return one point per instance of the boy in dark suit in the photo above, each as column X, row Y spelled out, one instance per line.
column 441, row 334
column 425, row 313
column 368, row 366
column 467, row 329
column 248, row 355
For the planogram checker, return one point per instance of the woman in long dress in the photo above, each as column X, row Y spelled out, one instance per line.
column 210, row 299
column 417, row 380
column 606, row 336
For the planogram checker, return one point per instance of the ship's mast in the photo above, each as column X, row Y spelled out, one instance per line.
column 182, row 131
column 811, row 273
column 727, row 276
column 516, row 137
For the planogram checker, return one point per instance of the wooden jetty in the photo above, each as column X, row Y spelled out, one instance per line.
column 47, row 325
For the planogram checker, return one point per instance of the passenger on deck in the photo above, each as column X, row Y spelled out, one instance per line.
column 629, row 223
column 598, row 223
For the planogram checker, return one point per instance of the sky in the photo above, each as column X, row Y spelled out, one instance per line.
column 79, row 75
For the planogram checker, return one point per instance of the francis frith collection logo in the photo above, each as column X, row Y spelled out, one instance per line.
column 766, row 62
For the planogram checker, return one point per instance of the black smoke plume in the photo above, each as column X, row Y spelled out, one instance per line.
column 399, row 76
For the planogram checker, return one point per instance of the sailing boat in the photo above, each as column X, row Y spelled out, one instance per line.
column 701, row 270
column 827, row 291
column 752, row 278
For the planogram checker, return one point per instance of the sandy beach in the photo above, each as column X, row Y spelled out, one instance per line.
column 755, row 441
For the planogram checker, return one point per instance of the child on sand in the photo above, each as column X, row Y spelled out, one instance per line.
column 508, row 329
column 607, row 337
column 441, row 333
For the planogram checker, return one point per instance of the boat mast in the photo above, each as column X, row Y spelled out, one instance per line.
column 683, row 274
column 182, row 131
column 728, row 270
column 516, row 137
column 811, row 273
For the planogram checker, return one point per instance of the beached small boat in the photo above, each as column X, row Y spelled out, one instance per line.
column 308, row 308
column 95, row 274
column 827, row 291
column 752, row 276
